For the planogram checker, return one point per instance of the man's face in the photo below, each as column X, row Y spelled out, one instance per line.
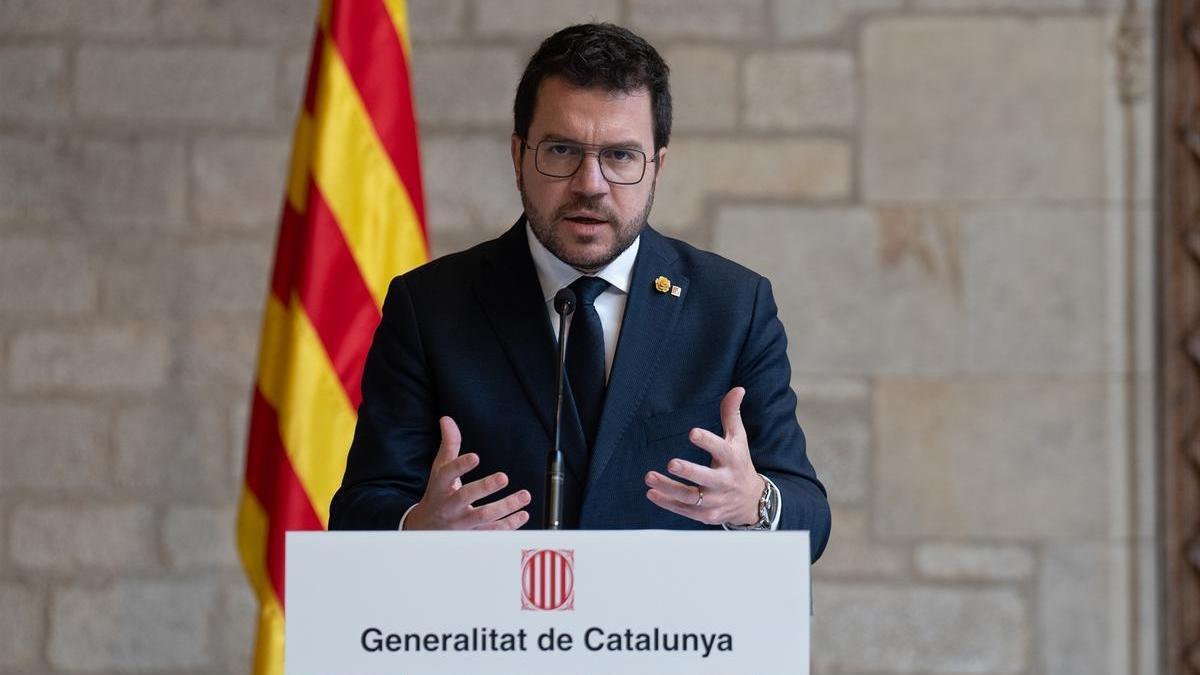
column 584, row 220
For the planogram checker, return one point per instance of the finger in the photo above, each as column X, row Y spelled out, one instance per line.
column 445, row 476
column 476, row 490
column 697, row 473
column 500, row 508
column 510, row 522
column 663, row 501
column 684, row 494
column 451, row 441
column 731, row 413
column 712, row 444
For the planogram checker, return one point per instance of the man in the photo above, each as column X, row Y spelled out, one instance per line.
column 679, row 411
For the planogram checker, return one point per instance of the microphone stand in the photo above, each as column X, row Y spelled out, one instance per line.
column 564, row 304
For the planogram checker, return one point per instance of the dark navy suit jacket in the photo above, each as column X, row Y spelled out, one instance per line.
column 468, row 336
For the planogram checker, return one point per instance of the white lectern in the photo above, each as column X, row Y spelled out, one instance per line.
column 547, row 602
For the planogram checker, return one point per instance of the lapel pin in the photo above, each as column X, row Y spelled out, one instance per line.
column 662, row 284
column 675, row 291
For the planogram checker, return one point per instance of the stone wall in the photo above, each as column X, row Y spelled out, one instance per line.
column 951, row 197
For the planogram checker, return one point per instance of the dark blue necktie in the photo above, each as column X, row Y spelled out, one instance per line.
column 585, row 355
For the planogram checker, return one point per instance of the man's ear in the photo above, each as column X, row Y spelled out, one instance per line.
column 518, row 147
column 662, row 160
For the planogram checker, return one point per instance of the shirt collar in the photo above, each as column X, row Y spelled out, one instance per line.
column 554, row 274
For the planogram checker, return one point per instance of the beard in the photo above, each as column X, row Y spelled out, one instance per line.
column 542, row 224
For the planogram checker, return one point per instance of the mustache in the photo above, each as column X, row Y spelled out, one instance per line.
column 593, row 205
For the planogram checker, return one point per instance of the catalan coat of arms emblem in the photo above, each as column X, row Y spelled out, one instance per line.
column 547, row 579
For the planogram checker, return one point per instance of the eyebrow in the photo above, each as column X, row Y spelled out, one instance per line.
column 628, row 143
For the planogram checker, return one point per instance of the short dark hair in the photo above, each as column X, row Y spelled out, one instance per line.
column 597, row 55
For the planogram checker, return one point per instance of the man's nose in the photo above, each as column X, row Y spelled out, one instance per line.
column 589, row 179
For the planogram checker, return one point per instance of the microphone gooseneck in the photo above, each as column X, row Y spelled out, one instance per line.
column 564, row 304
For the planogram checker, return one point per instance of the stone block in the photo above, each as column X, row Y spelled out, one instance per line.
column 853, row 553
column 34, row 180
column 793, row 20
column 206, row 85
column 540, row 18
column 1031, row 5
column 465, row 85
column 1075, row 614
column 847, row 389
column 860, row 291
column 201, row 537
column 1034, row 290
column 54, row 447
column 704, row 94
column 220, row 356
column 717, row 19
column 881, row 628
column 799, row 89
column 93, row 18
column 991, row 458
column 293, row 79
column 941, row 122
column 117, row 183
column 239, row 182
column 283, row 21
column 186, row 281
column 132, row 626
column 137, row 184
column 143, row 278
column 436, row 19
column 51, row 276
column 235, row 634
column 35, row 83
column 838, row 434
column 697, row 169
column 239, row 436
column 443, row 241
column 102, row 358
column 20, row 626
column 226, row 277
column 74, row 539
column 173, row 447
column 972, row 562
column 469, row 183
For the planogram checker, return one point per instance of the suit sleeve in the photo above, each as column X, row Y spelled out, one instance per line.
column 777, row 443
column 397, row 435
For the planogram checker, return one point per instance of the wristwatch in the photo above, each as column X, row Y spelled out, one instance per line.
column 768, row 508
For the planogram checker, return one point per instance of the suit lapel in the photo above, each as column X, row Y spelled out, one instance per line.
column 649, row 319
column 508, row 290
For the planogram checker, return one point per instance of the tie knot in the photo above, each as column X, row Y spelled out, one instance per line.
column 587, row 289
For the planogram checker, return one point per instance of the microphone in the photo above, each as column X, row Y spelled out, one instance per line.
column 564, row 304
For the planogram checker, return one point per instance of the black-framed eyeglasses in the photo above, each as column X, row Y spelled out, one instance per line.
column 561, row 159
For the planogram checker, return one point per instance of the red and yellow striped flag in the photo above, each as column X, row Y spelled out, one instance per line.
column 352, row 219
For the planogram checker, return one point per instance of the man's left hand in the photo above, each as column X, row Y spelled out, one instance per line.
column 728, row 491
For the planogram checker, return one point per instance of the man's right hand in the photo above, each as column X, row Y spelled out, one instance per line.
column 448, row 504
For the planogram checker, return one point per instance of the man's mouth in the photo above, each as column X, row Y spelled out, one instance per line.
column 585, row 218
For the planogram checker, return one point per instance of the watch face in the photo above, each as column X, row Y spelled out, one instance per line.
column 770, row 507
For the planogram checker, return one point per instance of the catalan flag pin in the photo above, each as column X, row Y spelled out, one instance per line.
column 662, row 285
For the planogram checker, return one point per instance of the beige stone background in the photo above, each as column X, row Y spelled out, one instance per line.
column 953, row 199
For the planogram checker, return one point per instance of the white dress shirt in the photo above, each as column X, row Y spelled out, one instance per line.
column 554, row 275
